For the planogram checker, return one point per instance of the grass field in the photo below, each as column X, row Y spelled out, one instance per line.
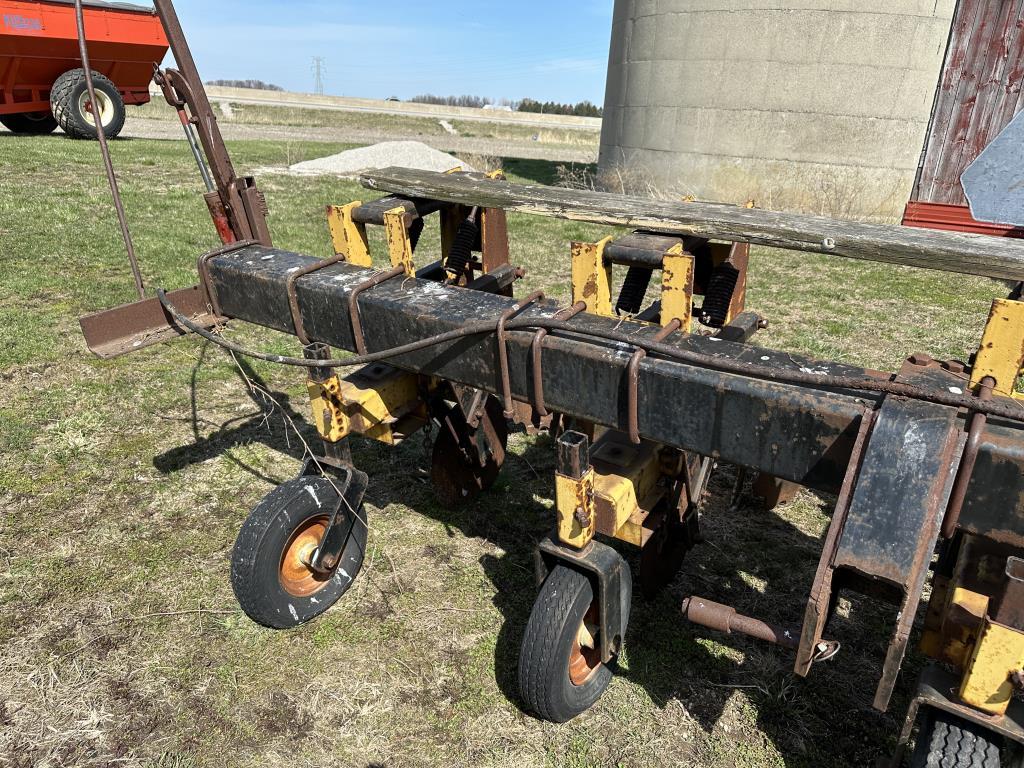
column 392, row 125
column 123, row 484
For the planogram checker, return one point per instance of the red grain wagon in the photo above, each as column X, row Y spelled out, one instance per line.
column 42, row 84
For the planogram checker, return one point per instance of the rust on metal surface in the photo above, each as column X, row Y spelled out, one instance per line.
column 633, row 382
column 295, row 571
column 353, row 303
column 293, row 297
column 503, row 371
column 724, row 618
column 130, row 327
column 967, row 461
column 585, row 654
column 537, row 355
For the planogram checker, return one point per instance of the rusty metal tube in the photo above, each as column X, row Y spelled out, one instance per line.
column 967, row 461
column 724, row 618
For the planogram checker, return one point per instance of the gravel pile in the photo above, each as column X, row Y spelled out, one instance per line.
column 404, row 154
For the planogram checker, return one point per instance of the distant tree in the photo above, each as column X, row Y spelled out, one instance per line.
column 476, row 102
column 255, row 84
column 582, row 109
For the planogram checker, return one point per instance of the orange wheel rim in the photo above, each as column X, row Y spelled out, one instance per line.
column 296, row 576
column 583, row 661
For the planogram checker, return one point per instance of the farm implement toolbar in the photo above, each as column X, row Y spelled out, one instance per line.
column 645, row 391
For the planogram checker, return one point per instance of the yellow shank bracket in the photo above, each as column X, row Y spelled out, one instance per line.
column 1001, row 355
column 348, row 237
column 396, row 230
column 592, row 278
column 677, row 277
column 998, row 654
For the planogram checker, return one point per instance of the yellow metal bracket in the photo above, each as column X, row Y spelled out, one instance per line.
column 592, row 278
column 677, row 277
column 574, row 502
column 1001, row 355
column 998, row 653
column 396, row 230
column 377, row 401
column 348, row 237
column 329, row 409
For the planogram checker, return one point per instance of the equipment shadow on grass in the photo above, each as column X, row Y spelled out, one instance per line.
column 757, row 561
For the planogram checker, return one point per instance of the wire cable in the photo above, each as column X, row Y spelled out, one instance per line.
column 1005, row 409
column 122, row 219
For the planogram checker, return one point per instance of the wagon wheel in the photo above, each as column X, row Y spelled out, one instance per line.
column 29, row 124
column 271, row 571
column 75, row 111
column 467, row 460
column 561, row 674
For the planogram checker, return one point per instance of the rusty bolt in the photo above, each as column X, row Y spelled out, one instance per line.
column 582, row 517
column 920, row 358
column 955, row 366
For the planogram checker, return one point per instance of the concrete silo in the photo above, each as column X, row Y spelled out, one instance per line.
column 818, row 105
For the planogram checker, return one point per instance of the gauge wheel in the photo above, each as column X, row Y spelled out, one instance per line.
column 75, row 112
column 561, row 674
column 30, row 123
column 270, row 571
column 946, row 740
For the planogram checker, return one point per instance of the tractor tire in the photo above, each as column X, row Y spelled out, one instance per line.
column 946, row 741
column 69, row 102
column 269, row 565
column 559, row 678
column 29, row 124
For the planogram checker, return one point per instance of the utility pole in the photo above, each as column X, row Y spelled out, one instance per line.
column 319, row 65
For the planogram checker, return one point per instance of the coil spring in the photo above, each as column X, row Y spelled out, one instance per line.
column 721, row 288
column 634, row 289
column 461, row 252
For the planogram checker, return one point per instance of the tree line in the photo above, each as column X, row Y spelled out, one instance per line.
column 257, row 84
column 581, row 109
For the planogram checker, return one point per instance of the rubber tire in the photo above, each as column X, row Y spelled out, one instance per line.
column 554, row 621
column 256, row 557
column 29, row 124
column 65, row 97
column 946, row 741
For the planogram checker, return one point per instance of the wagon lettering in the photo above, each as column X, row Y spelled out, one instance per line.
column 14, row 21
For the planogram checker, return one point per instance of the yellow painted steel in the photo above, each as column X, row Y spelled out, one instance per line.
column 574, row 499
column 399, row 245
column 626, row 476
column 961, row 615
column 348, row 237
column 592, row 278
column 1001, row 354
column 998, row 653
column 677, row 288
column 328, row 409
column 368, row 403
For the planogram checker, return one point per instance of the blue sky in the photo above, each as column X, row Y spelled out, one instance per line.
column 544, row 50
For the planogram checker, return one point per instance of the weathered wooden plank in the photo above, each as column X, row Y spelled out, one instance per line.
column 929, row 249
column 964, row 23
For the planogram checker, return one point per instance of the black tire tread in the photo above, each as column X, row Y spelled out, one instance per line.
column 950, row 742
column 24, row 124
column 61, row 97
column 245, row 565
column 539, row 663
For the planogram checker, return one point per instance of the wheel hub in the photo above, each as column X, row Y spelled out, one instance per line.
column 295, row 572
column 103, row 106
column 585, row 656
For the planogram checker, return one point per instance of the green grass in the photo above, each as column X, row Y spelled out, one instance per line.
column 123, row 484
